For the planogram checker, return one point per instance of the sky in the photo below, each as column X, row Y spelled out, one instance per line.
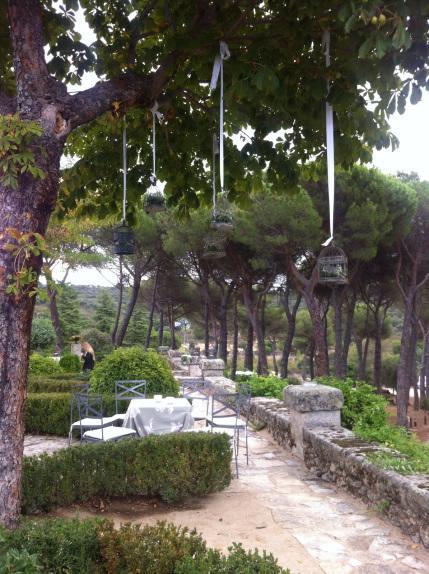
column 411, row 129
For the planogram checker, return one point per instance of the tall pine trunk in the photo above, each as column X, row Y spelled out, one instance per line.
column 234, row 355
column 248, row 352
column 152, row 309
column 291, row 323
column 120, row 300
column 122, row 331
column 161, row 328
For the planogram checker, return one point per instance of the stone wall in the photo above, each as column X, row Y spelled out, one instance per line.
column 337, row 455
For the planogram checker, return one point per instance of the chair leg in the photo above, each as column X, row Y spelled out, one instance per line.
column 247, row 445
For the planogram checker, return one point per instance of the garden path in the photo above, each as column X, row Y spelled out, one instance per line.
column 278, row 505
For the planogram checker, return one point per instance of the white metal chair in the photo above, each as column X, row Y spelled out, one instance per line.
column 103, row 432
column 126, row 391
column 89, row 412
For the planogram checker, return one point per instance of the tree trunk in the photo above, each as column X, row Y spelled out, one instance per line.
column 26, row 211
column 129, row 310
column 120, row 300
column 377, row 353
column 161, row 328
column 152, row 310
column 424, row 367
column 206, row 328
column 291, row 323
column 403, row 380
column 348, row 331
column 248, row 353
column 311, row 359
column 252, row 312
column 273, row 352
column 365, row 355
column 337, row 301
column 172, row 321
column 234, row 341
column 320, row 351
column 55, row 318
column 223, row 331
column 361, row 366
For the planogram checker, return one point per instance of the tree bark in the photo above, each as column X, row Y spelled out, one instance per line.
column 161, row 328
column 351, row 306
column 252, row 312
column 234, row 355
column 311, row 359
column 291, row 323
column 377, row 351
column 403, row 381
column 152, row 310
column 260, row 310
column 206, row 329
column 361, row 366
column 171, row 322
column 122, row 331
column 120, row 301
column 248, row 353
column 337, row 301
column 273, row 353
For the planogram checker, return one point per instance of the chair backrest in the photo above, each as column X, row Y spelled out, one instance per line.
column 225, row 405
column 128, row 390
column 89, row 406
column 190, row 386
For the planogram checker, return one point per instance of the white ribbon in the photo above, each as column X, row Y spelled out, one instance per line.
column 329, row 144
column 156, row 115
column 224, row 54
column 124, row 163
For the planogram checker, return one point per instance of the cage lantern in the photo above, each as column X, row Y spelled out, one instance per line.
column 214, row 245
column 153, row 202
column 332, row 266
column 123, row 240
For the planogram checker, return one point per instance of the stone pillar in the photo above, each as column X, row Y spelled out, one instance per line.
column 312, row 405
column 76, row 349
column 212, row 367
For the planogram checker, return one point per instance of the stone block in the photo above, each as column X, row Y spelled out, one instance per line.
column 311, row 397
column 212, row 367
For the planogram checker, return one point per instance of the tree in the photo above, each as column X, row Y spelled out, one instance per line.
column 42, row 334
column 69, row 313
column 104, row 315
column 152, row 53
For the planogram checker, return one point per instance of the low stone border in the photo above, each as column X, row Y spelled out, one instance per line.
column 337, row 455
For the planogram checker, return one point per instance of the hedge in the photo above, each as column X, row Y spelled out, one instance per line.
column 40, row 365
column 94, row 546
column 70, row 363
column 49, row 413
column 130, row 364
column 44, row 385
column 170, row 466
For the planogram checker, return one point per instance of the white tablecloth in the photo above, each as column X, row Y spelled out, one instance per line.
column 150, row 416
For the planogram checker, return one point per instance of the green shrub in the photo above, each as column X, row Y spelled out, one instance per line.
column 70, row 363
column 170, row 466
column 94, row 546
column 48, row 385
column 49, row 413
column 362, row 405
column 40, row 365
column 134, row 363
column 266, row 386
column 42, row 334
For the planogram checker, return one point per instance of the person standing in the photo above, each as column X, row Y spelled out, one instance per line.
column 88, row 357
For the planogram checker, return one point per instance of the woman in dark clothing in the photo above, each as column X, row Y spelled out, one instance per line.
column 88, row 357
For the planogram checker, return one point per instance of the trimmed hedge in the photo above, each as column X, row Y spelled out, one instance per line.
column 49, row 413
column 94, row 546
column 170, row 466
column 40, row 365
column 44, row 385
column 70, row 363
column 130, row 364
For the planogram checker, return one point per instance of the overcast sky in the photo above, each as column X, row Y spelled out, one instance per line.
column 412, row 155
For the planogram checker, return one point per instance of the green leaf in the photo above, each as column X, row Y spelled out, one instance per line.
column 416, row 94
column 366, row 47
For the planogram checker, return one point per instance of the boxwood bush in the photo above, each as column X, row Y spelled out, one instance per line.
column 70, row 363
column 94, row 546
column 40, row 365
column 170, row 466
column 45, row 385
column 49, row 413
column 130, row 364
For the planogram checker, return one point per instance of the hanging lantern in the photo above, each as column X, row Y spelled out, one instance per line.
column 214, row 246
column 332, row 266
column 123, row 240
column 222, row 220
column 153, row 202
column 123, row 236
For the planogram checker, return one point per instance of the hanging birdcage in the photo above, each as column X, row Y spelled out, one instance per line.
column 123, row 240
column 153, row 202
column 332, row 266
column 214, row 245
column 222, row 219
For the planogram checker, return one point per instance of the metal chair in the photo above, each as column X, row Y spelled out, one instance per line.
column 90, row 414
column 126, row 391
column 226, row 411
column 195, row 390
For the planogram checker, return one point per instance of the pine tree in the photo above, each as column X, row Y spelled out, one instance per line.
column 69, row 310
column 137, row 329
column 104, row 315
